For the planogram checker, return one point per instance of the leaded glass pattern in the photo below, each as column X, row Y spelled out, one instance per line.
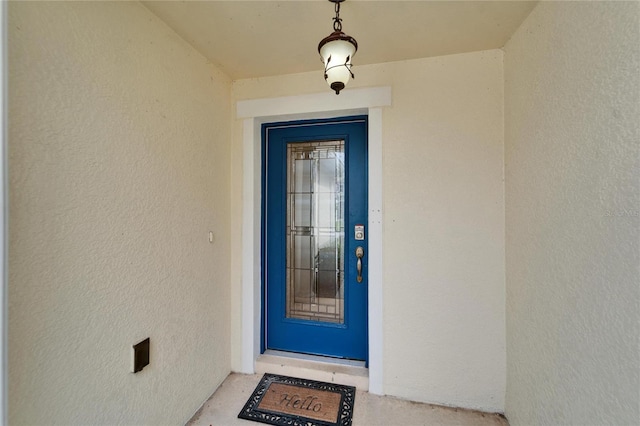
column 315, row 231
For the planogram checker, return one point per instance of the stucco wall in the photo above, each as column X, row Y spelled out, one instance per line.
column 572, row 103
column 444, row 332
column 119, row 168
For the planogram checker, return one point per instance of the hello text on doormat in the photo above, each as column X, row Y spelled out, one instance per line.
column 282, row 400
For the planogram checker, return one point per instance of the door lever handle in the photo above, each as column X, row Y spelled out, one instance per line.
column 359, row 255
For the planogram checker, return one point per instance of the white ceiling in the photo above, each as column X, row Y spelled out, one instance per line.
column 262, row 38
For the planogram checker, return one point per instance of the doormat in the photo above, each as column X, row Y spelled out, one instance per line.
column 282, row 400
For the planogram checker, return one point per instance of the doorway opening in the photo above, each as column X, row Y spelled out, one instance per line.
column 314, row 215
column 255, row 112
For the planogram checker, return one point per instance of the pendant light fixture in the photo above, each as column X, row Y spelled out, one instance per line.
column 336, row 51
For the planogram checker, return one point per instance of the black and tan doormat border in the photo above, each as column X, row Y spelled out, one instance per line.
column 253, row 411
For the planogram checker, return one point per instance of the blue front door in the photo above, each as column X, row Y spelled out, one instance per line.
column 314, row 258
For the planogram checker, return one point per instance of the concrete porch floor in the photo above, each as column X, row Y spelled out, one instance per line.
column 222, row 409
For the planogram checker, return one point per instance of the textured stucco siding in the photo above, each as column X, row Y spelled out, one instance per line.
column 572, row 110
column 119, row 168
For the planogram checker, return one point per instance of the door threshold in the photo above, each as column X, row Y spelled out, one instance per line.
column 314, row 367
column 317, row 358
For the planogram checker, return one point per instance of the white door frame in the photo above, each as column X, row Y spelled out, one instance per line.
column 322, row 105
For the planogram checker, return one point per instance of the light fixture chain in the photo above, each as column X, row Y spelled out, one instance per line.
column 337, row 22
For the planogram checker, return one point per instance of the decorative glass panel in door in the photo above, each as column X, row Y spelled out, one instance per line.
column 315, row 231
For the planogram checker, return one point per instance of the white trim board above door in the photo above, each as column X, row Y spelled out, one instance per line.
column 323, row 105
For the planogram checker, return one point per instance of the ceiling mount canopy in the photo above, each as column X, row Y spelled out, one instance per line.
column 336, row 51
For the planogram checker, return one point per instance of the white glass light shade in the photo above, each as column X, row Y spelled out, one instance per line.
column 337, row 56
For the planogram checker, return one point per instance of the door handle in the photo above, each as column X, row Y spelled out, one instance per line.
column 359, row 255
